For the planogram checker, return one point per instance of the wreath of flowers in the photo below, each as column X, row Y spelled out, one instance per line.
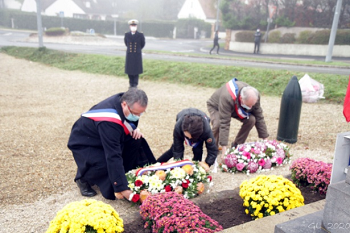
column 87, row 216
column 309, row 172
column 171, row 212
column 268, row 195
column 254, row 157
column 188, row 180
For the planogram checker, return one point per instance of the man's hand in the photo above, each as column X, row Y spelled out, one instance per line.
column 123, row 194
column 136, row 134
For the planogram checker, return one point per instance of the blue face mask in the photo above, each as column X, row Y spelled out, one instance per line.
column 132, row 117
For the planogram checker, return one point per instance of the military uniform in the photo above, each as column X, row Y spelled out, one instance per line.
column 104, row 149
column 177, row 148
column 134, row 43
column 224, row 104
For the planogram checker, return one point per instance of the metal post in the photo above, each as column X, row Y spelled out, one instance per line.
column 39, row 23
column 217, row 16
column 333, row 31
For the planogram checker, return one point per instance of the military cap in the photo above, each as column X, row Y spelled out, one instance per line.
column 133, row 22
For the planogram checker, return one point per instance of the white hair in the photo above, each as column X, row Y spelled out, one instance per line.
column 249, row 92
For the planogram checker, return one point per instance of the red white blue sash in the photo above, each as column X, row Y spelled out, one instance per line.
column 111, row 115
column 164, row 166
column 233, row 90
column 191, row 144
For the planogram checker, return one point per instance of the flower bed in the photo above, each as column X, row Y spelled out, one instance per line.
column 256, row 157
column 89, row 216
column 268, row 195
column 171, row 212
column 183, row 177
column 309, row 172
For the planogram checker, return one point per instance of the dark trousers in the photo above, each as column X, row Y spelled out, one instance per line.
column 92, row 165
column 133, row 80
column 215, row 45
column 256, row 47
column 197, row 154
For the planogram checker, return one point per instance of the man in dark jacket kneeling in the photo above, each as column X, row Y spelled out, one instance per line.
column 106, row 143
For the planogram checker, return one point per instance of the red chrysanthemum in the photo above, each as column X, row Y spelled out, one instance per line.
column 186, row 184
column 168, row 188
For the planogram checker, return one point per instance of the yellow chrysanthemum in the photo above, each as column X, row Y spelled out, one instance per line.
column 76, row 216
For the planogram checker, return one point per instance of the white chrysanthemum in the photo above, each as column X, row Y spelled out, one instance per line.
column 178, row 173
column 131, row 185
column 202, row 171
column 144, row 179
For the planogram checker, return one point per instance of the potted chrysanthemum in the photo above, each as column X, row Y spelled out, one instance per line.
column 268, row 195
column 256, row 157
column 86, row 216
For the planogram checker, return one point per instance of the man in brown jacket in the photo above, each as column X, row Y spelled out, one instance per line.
column 238, row 100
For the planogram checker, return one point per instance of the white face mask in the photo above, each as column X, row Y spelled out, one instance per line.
column 245, row 106
column 133, row 28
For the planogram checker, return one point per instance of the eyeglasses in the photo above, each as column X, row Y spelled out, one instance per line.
column 140, row 114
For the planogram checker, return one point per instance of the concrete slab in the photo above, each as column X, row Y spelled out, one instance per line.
column 267, row 224
column 311, row 223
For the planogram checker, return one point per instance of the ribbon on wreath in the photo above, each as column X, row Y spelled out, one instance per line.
column 164, row 166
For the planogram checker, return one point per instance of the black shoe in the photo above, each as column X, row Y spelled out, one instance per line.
column 85, row 189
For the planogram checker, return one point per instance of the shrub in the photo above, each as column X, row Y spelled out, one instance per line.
column 343, row 37
column 309, row 172
column 288, row 38
column 247, row 36
column 320, row 37
column 89, row 216
column 268, row 195
column 171, row 212
column 274, row 37
column 55, row 31
column 304, row 37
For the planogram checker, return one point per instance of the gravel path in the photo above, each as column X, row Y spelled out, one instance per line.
column 39, row 105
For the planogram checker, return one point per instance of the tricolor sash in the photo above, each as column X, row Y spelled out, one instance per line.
column 164, row 166
column 191, row 144
column 233, row 90
column 111, row 115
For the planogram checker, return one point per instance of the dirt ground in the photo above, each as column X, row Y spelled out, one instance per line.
column 39, row 104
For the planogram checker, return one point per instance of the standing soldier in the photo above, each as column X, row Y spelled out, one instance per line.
column 134, row 42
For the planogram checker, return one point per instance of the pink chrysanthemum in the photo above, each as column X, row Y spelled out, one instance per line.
column 231, row 160
column 252, row 167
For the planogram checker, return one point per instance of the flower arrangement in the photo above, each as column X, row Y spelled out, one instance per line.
column 88, row 216
column 309, row 172
column 171, row 212
column 183, row 177
column 268, row 195
column 255, row 157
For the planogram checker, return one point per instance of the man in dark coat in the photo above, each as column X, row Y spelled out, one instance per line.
column 192, row 127
column 257, row 37
column 134, row 42
column 216, row 42
column 237, row 100
column 106, row 144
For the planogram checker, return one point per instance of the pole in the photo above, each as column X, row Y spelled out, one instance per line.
column 333, row 31
column 217, row 16
column 39, row 23
column 115, row 26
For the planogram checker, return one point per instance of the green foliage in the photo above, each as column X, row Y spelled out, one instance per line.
column 343, row 37
column 185, row 27
column 284, row 21
column 267, row 81
column 274, row 37
column 55, row 31
column 304, row 37
column 26, row 20
column 246, row 36
column 288, row 38
column 320, row 37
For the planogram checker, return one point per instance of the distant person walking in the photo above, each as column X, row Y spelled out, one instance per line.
column 216, row 42
column 134, row 42
column 257, row 37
